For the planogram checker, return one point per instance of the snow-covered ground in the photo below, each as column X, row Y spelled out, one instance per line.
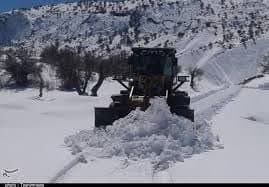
column 32, row 139
column 245, row 154
column 32, row 131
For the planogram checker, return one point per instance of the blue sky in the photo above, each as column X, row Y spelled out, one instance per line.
column 6, row 5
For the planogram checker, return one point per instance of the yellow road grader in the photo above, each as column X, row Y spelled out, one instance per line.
column 154, row 72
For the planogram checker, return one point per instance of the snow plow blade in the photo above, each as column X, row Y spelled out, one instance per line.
column 103, row 117
column 106, row 116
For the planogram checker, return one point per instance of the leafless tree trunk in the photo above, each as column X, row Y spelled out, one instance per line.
column 265, row 64
column 82, row 91
column 192, row 79
column 41, row 84
column 85, row 85
column 194, row 73
column 99, row 83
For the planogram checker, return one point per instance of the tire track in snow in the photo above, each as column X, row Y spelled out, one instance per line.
column 79, row 159
column 207, row 94
column 205, row 107
column 223, row 73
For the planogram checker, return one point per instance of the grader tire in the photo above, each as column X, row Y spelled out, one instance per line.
column 106, row 116
column 184, row 111
column 179, row 100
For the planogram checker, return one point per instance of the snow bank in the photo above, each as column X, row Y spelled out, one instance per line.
column 260, row 83
column 264, row 86
column 154, row 134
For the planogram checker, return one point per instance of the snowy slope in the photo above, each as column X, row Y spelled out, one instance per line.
column 201, row 31
column 136, row 21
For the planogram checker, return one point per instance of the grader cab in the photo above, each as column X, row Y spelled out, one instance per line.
column 153, row 73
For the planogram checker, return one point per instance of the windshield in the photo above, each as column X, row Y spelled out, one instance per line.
column 157, row 65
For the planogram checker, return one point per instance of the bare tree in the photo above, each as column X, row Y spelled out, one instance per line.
column 195, row 73
column 87, row 64
column 67, row 63
column 100, row 68
column 74, row 67
column 19, row 65
column 38, row 73
column 265, row 64
column 114, row 65
column 50, row 54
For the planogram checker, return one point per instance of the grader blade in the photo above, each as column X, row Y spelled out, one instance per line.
column 103, row 117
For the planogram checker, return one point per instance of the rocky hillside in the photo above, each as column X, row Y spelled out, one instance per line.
column 198, row 29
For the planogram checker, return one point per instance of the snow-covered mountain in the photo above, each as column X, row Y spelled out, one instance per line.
column 200, row 30
column 130, row 22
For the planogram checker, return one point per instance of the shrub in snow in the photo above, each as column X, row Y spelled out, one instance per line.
column 154, row 134
column 195, row 73
column 19, row 65
column 265, row 64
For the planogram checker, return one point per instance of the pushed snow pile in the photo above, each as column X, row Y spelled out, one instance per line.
column 154, row 134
